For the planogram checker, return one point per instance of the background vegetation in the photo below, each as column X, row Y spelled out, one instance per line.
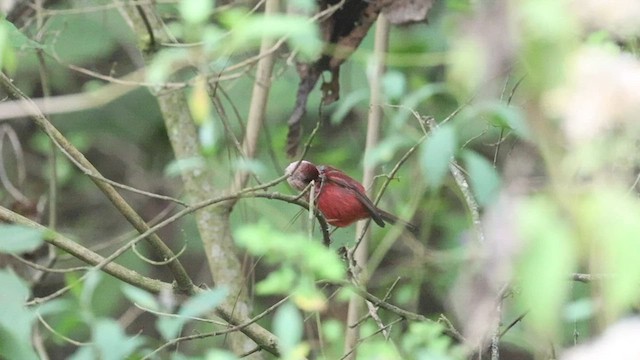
column 145, row 214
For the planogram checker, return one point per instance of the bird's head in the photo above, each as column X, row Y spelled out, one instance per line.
column 301, row 173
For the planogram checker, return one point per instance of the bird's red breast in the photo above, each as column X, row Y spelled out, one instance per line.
column 339, row 197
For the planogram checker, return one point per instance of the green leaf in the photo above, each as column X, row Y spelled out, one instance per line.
column 503, row 116
column 217, row 354
column 394, row 84
column 277, row 282
column 287, row 326
column 579, row 310
column 436, row 153
column 195, row 11
column 16, row 38
column 91, row 281
column 304, row 6
column 162, row 65
column 140, row 297
column 295, row 249
column 111, row 342
column 609, row 218
column 413, row 99
column 467, row 64
column 208, row 135
column 253, row 166
column 549, row 256
column 16, row 319
column 385, row 150
column 485, row 181
column 82, row 39
column 333, row 330
column 348, row 102
column 177, row 167
column 170, row 327
column 83, row 353
column 203, row 302
column 7, row 57
column 16, row 239
column 247, row 31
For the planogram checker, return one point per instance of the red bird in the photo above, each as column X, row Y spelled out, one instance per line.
column 341, row 199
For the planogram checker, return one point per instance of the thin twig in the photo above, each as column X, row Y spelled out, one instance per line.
column 166, row 314
column 257, row 333
column 361, row 340
column 217, row 333
column 57, row 334
column 180, row 275
column 463, row 185
column 48, row 268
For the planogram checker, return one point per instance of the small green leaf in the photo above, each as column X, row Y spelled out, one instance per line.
column 610, row 220
column 277, row 247
column 111, row 341
column 485, row 181
column 436, row 154
column 253, row 166
column 579, row 310
column 170, row 327
column 247, row 31
column 348, row 102
column 413, row 99
column 16, row 239
column 162, row 65
column 394, row 84
column 385, row 150
column 199, row 102
column 333, row 330
column 195, row 11
column 203, row 302
column 16, row 319
column 7, row 54
column 277, row 282
column 177, row 167
column 287, row 326
column 217, row 354
column 548, row 257
column 91, row 281
column 83, row 353
column 140, row 297
column 17, row 38
column 208, row 135
column 304, row 6
column 503, row 116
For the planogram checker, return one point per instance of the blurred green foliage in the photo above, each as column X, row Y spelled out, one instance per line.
column 582, row 218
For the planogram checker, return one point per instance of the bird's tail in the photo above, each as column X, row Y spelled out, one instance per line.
column 392, row 219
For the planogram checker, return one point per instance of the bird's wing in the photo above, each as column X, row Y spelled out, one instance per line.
column 364, row 200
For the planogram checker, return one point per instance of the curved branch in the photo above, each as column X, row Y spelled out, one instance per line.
column 265, row 339
column 163, row 251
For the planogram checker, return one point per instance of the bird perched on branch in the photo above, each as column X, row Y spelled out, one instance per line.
column 341, row 199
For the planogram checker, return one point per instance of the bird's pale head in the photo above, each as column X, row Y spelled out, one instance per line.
column 301, row 174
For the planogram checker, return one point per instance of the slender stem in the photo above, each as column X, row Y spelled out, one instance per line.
column 183, row 280
column 259, row 97
column 373, row 135
column 260, row 335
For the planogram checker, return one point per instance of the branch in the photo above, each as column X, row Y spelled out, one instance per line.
column 163, row 251
column 259, row 96
column 463, row 185
column 86, row 255
column 361, row 249
column 265, row 339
